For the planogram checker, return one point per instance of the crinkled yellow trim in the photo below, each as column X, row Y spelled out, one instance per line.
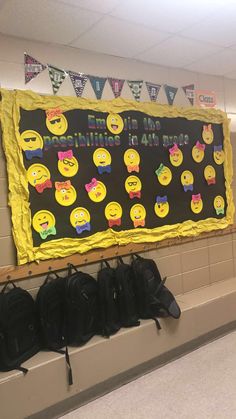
column 18, row 186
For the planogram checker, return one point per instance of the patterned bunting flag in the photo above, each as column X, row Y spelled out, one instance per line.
column 32, row 67
column 57, row 77
column 98, row 84
column 78, row 80
column 153, row 90
column 136, row 87
column 116, row 86
column 189, row 92
column 170, row 93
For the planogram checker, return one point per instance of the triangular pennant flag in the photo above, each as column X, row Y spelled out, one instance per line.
column 116, row 86
column 98, row 84
column 57, row 77
column 32, row 67
column 136, row 87
column 153, row 90
column 78, row 80
column 189, row 92
column 170, row 93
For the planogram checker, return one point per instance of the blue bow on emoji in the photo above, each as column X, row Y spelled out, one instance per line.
column 104, row 169
column 29, row 154
column 85, row 226
column 188, row 188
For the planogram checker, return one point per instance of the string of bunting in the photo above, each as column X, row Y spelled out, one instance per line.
column 57, row 75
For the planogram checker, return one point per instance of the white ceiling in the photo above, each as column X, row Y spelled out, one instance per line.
column 197, row 35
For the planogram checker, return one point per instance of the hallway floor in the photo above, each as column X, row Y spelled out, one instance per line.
column 200, row 385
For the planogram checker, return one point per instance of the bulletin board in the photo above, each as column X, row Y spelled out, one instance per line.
column 87, row 174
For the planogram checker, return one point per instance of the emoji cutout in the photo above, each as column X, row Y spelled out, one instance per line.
column 115, row 123
column 133, row 186
column 65, row 193
column 210, row 175
column 187, row 180
column 80, row 219
column 207, row 134
column 38, row 176
column 198, row 152
column 161, row 207
column 31, row 143
column 219, row 205
column 138, row 215
column 132, row 160
column 164, row 175
column 102, row 159
column 176, row 156
column 196, row 203
column 113, row 213
column 218, row 154
column 68, row 166
column 96, row 190
column 44, row 223
column 56, row 122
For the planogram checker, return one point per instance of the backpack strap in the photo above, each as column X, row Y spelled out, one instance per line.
column 120, row 260
column 22, row 369
column 7, row 284
column 135, row 255
column 106, row 263
column 69, row 369
column 70, row 267
column 157, row 323
column 49, row 277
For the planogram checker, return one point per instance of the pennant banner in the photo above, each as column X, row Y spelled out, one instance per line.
column 116, row 86
column 170, row 93
column 32, row 67
column 78, row 80
column 189, row 92
column 153, row 90
column 57, row 77
column 136, row 87
column 205, row 98
column 98, row 84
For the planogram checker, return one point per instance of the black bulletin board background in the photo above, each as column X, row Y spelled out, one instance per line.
column 151, row 157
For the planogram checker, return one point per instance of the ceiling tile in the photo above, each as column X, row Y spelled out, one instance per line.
column 115, row 37
column 219, row 64
column 171, row 16
column 177, row 52
column 45, row 20
column 102, row 6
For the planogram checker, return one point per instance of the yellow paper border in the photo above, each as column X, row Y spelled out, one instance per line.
column 18, row 185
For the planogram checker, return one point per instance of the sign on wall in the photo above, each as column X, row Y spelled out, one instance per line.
column 86, row 174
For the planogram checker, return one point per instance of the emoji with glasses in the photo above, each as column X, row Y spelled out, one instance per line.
column 68, row 166
column 56, row 122
column 133, row 186
column 31, row 143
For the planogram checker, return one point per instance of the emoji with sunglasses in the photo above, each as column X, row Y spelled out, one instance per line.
column 133, row 186
column 56, row 122
column 68, row 166
column 31, row 143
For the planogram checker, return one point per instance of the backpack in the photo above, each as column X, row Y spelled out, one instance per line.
column 18, row 328
column 81, row 306
column 153, row 297
column 125, row 295
column 109, row 322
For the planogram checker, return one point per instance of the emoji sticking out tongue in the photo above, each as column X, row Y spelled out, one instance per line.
column 44, row 225
column 115, row 123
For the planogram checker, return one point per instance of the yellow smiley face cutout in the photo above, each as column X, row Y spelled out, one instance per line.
column 65, row 196
column 113, row 211
column 98, row 192
column 187, row 178
column 131, row 158
column 219, row 204
column 196, row 205
column 43, row 220
column 219, row 156
column 31, row 140
column 133, row 184
column 207, row 134
column 101, row 157
column 57, row 124
column 37, row 174
column 115, row 123
column 79, row 216
column 162, row 209
column 176, row 157
column 68, row 167
column 198, row 153
column 210, row 174
column 138, row 214
column 164, row 175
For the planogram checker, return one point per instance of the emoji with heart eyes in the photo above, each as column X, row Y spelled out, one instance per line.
column 56, row 122
column 31, row 143
column 44, row 223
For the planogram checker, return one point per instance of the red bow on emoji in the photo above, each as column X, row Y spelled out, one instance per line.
column 116, row 222
column 53, row 112
column 134, row 168
column 138, row 223
column 63, row 185
column 135, row 194
column 211, row 181
column 41, row 186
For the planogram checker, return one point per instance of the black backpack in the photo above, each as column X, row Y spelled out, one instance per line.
column 125, row 295
column 109, row 322
column 153, row 297
column 18, row 328
column 81, row 306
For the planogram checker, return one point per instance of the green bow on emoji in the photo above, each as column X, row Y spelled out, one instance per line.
column 50, row 231
column 220, row 211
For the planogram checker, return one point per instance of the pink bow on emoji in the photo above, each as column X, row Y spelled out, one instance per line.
column 91, row 185
column 53, row 112
column 173, row 149
column 200, row 146
column 196, row 198
column 65, row 154
column 63, row 185
column 207, row 127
